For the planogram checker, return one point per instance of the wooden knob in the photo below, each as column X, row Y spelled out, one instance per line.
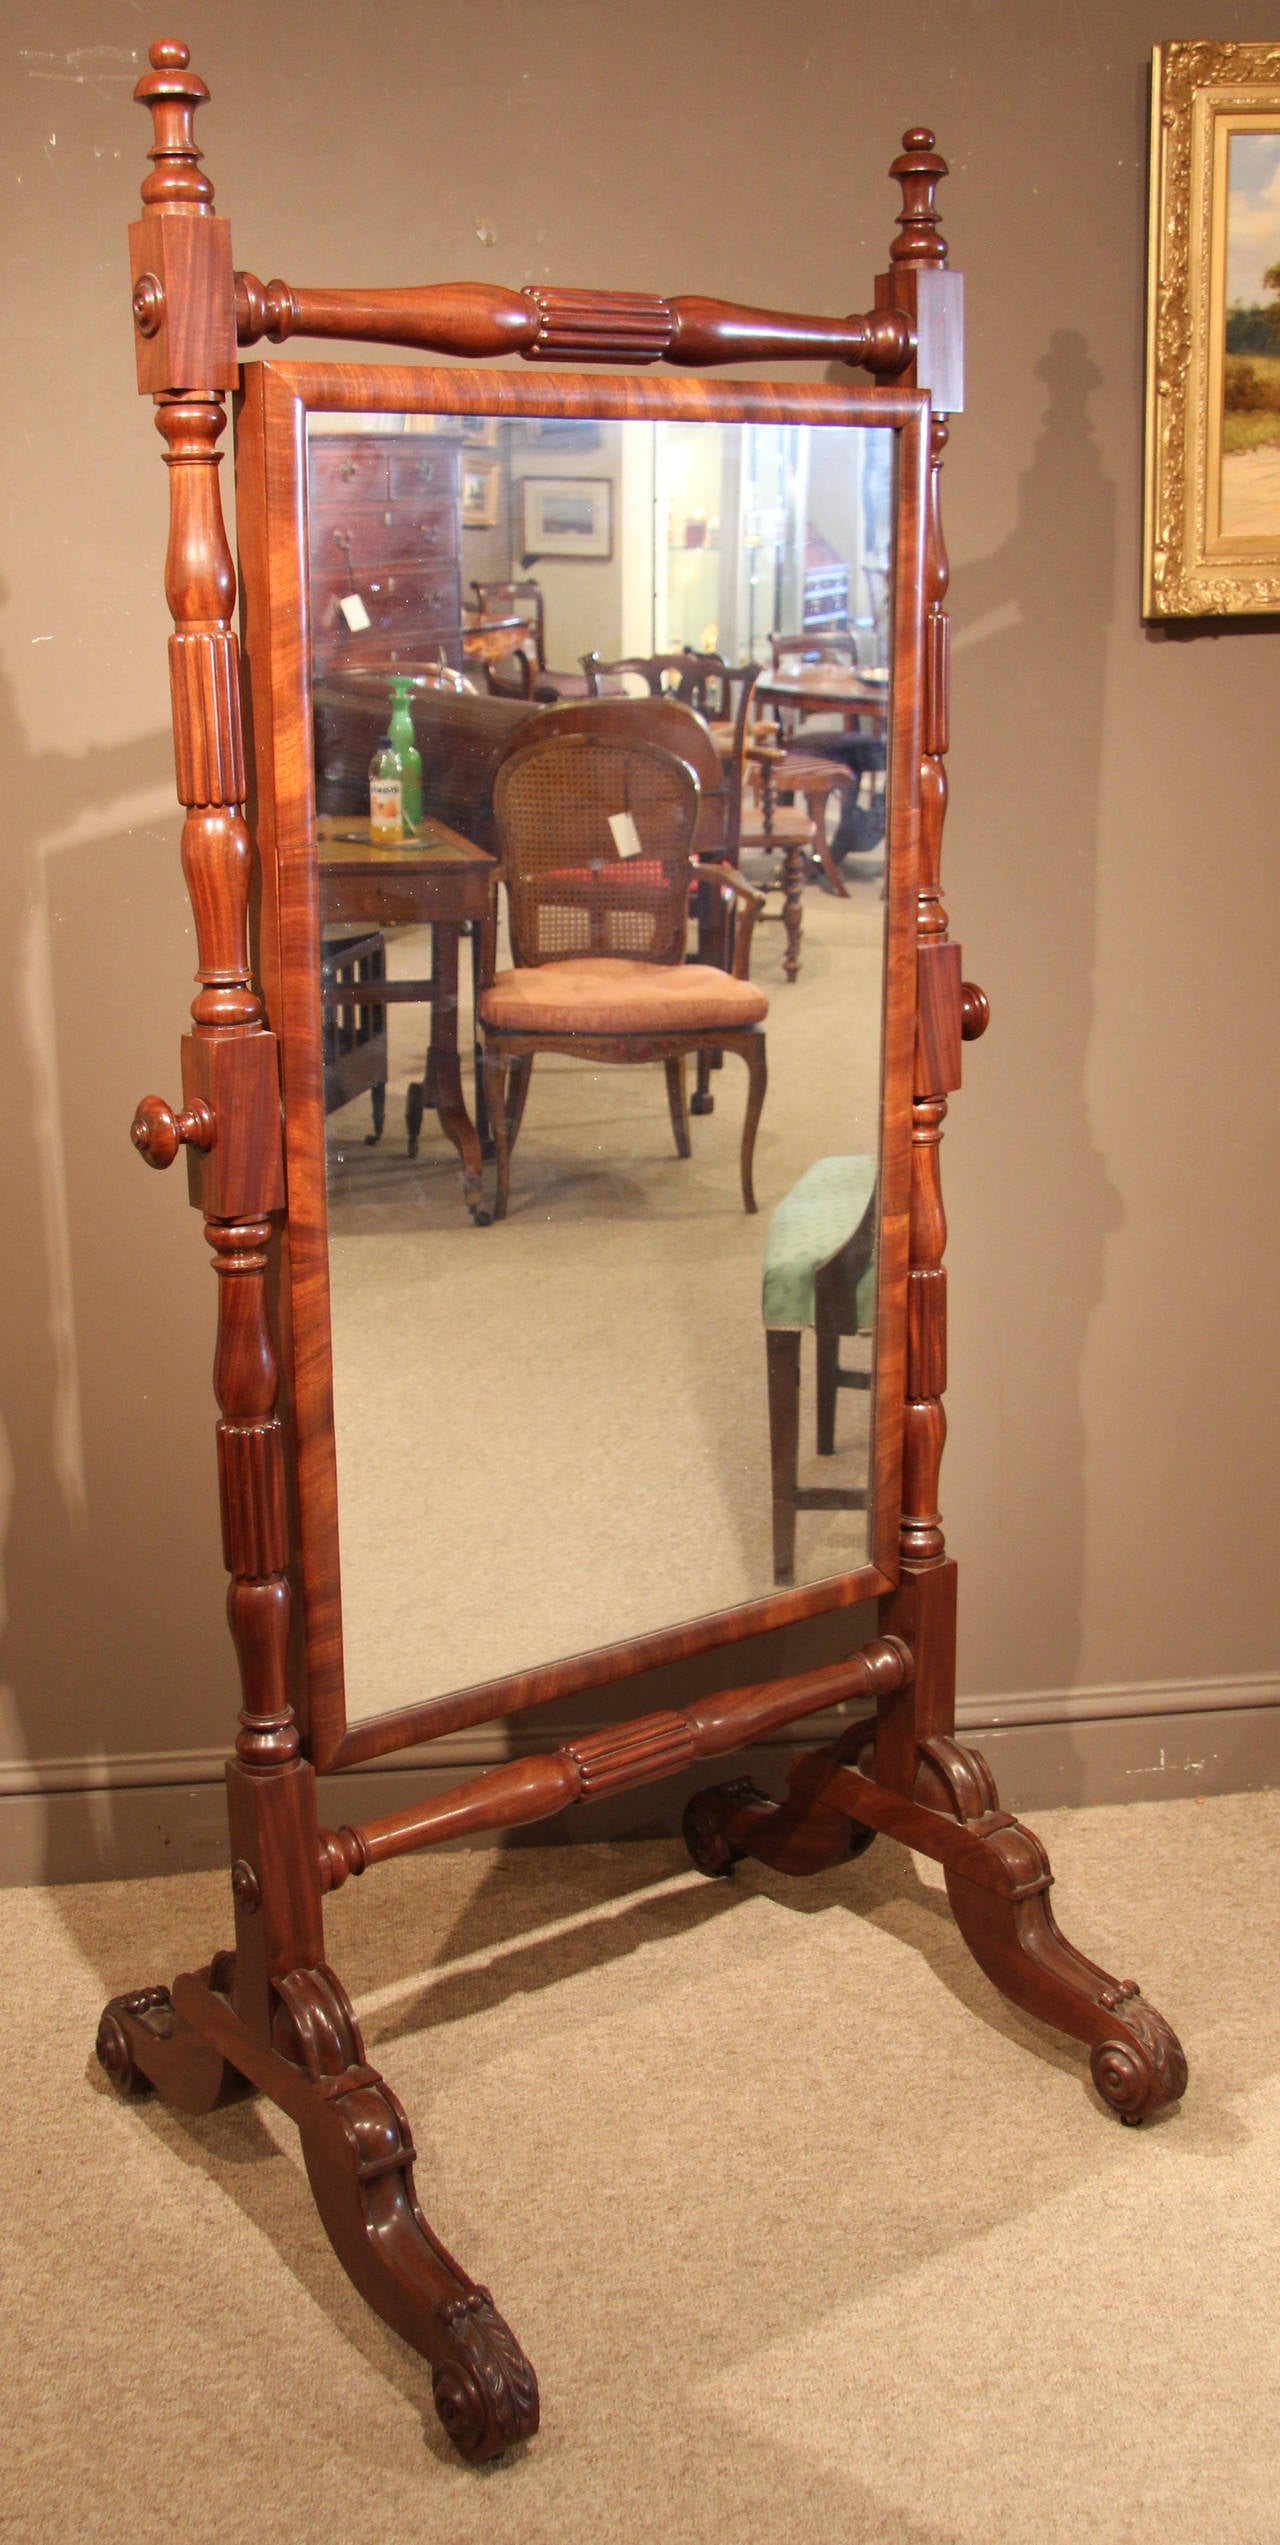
column 975, row 1011
column 158, row 1132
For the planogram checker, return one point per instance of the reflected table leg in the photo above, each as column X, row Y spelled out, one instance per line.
column 441, row 1085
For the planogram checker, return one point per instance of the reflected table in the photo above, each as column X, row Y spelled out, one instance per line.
column 818, row 687
column 438, row 880
column 862, row 700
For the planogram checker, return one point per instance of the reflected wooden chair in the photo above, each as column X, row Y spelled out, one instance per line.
column 702, row 681
column 819, row 1272
column 595, row 836
column 353, row 1029
column 814, row 645
column 525, row 673
column 780, row 835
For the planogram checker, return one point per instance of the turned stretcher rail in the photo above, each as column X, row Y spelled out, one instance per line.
column 605, row 1762
column 551, row 323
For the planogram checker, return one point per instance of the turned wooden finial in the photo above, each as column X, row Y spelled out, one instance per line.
column 918, row 171
column 172, row 91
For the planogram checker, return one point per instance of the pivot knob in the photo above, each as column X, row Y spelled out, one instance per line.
column 158, row 1132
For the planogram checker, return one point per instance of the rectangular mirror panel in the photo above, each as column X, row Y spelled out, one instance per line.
column 630, row 1402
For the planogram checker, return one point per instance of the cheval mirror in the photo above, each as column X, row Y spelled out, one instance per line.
column 654, row 1354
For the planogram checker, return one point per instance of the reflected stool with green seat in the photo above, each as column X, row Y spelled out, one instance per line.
column 819, row 1271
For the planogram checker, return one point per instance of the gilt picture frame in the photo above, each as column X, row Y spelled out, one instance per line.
column 481, row 492
column 567, row 517
column 1211, row 516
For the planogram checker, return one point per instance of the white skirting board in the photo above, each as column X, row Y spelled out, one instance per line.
column 108, row 1819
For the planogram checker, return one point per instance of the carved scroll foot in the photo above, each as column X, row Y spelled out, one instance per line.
column 195, row 2050
column 1000, row 1900
column 998, row 1879
column 724, row 1823
column 359, row 2158
column 145, row 2047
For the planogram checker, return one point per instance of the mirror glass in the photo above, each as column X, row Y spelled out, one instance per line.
column 568, row 1427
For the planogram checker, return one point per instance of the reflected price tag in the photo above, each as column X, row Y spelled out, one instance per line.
column 626, row 838
column 354, row 612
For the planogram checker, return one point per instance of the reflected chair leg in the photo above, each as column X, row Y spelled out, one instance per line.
column 782, row 1357
column 379, row 1097
column 414, row 1107
column 518, row 1077
column 753, row 1052
column 828, row 1342
column 495, row 1097
column 792, row 908
column 816, row 808
column 677, row 1100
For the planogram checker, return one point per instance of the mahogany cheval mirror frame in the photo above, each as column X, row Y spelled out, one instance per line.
column 272, row 2016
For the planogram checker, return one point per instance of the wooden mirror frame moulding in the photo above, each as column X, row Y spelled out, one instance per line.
column 270, row 507
column 272, row 2015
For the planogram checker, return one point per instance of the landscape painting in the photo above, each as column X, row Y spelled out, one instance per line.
column 1211, row 496
column 1250, row 486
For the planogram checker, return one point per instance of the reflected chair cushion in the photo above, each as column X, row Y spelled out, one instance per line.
column 818, row 1215
column 606, row 994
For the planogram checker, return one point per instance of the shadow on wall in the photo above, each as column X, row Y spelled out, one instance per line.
column 1031, row 624
column 98, row 1410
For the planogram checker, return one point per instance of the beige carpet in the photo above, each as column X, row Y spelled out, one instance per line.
column 808, row 2234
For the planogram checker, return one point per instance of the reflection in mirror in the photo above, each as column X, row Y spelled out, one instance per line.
column 640, row 671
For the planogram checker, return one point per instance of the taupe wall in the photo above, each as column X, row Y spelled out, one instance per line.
column 1111, row 850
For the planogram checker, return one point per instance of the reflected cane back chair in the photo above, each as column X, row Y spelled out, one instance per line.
column 595, row 835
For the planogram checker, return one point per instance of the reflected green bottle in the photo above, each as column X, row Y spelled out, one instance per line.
column 400, row 729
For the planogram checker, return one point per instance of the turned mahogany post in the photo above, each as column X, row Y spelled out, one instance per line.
column 922, row 1610
column 184, row 316
column 273, row 2014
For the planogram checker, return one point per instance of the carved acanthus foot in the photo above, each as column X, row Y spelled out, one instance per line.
column 359, row 2158
column 724, row 1823
column 195, row 2049
column 999, row 1897
column 488, row 2385
column 144, row 2046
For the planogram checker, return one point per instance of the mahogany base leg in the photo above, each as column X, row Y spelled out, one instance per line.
column 724, row 1823
column 998, row 1879
column 1001, row 1906
column 146, row 2047
column 195, row 2050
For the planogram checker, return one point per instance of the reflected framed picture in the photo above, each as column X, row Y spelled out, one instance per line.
column 478, row 431
column 480, row 490
column 1211, row 516
column 566, row 516
column 565, row 432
